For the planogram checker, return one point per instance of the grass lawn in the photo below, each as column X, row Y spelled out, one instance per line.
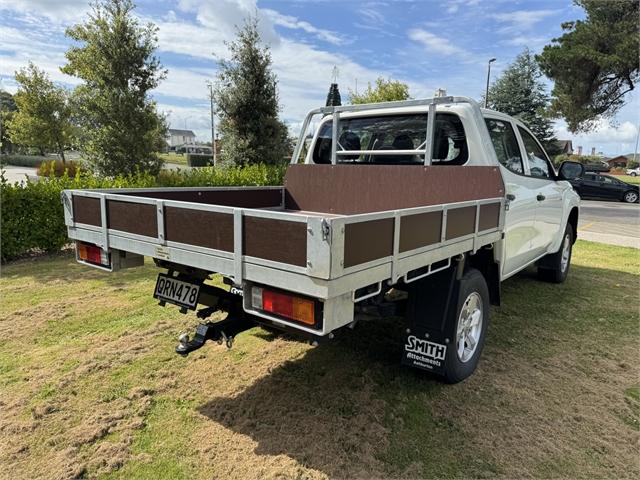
column 90, row 386
column 173, row 158
column 629, row 179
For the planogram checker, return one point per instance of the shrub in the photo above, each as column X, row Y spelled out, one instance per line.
column 199, row 159
column 23, row 160
column 56, row 168
column 32, row 217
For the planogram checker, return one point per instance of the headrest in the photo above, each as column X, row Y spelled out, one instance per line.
column 403, row 142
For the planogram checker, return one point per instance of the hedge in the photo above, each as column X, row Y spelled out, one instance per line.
column 199, row 159
column 32, row 218
column 24, row 160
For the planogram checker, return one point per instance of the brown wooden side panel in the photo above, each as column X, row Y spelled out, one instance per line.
column 138, row 218
column 197, row 227
column 420, row 230
column 249, row 198
column 367, row 241
column 489, row 216
column 352, row 189
column 460, row 222
column 276, row 240
column 87, row 210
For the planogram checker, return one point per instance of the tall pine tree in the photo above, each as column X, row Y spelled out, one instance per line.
column 595, row 63
column 247, row 99
column 519, row 92
column 115, row 59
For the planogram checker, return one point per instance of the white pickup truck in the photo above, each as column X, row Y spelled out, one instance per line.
column 418, row 208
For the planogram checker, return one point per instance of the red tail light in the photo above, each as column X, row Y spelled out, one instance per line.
column 92, row 254
column 286, row 305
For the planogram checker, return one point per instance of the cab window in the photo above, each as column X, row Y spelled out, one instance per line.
column 394, row 132
column 505, row 144
column 538, row 162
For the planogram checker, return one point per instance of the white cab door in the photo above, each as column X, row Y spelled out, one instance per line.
column 519, row 224
column 542, row 179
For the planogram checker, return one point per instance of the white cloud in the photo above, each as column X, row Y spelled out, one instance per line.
column 54, row 10
column 521, row 20
column 291, row 22
column 605, row 137
column 434, row 43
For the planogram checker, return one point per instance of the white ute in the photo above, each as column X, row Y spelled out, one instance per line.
column 418, row 208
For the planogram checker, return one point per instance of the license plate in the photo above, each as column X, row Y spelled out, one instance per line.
column 178, row 292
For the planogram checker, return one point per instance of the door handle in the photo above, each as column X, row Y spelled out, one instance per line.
column 540, row 197
column 511, row 197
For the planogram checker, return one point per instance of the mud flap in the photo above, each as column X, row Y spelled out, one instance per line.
column 430, row 333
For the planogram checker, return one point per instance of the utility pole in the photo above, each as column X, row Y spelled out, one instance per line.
column 635, row 152
column 486, row 93
column 213, row 123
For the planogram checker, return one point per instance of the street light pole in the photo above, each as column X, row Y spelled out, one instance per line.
column 213, row 123
column 486, row 93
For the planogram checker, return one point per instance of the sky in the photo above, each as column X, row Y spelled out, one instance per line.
column 427, row 44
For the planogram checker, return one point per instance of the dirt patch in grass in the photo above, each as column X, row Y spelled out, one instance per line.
column 90, row 387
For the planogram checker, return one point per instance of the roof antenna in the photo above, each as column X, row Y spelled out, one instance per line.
column 333, row 98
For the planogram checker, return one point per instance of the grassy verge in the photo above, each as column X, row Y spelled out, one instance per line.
column 174, row 158
column 90, row 386
column 629, row 179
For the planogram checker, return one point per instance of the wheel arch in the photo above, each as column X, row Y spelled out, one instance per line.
column 573, row 221
column 484, row 261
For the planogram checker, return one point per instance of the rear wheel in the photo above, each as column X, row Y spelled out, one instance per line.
column 555, row 267
column 630, row 196
column 471, row 318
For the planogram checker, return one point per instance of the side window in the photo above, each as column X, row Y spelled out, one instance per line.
column 538, row 163
column 505, row 144
column 607, row 180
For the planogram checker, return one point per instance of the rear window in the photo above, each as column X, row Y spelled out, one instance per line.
column 394, row 132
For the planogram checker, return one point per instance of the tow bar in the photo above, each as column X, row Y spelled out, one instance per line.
column 224, row 331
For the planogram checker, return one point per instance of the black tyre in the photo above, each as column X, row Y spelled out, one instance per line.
column 633, row 174
column 630, row 197
column 469, row 321
column 554, row 267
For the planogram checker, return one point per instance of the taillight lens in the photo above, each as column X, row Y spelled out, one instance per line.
column 92, row 254
column 289, row 306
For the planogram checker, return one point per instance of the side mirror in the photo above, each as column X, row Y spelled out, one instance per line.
column 571, row 170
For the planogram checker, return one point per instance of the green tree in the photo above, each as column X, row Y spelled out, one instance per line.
column 116, row 61
column 384, row 91
column 520, row 92
column 42, row 116
column 7, row 109
column 247, row 99
column 595, row 63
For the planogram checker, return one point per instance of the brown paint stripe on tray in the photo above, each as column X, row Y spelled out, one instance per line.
column 137, row 218
column 275, row 240
column 199, row 227
column 489, row 216
column 87, row 210
column 420, row 230
column 367, row 241
column 460, row 221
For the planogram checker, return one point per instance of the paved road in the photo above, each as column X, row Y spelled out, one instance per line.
column 610, row 222
column 17, row 174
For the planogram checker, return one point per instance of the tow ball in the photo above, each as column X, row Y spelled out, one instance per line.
column 223, row 331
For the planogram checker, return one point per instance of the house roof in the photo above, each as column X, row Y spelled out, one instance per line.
column 184, row 133
column 618, row 158
column 562, row 144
